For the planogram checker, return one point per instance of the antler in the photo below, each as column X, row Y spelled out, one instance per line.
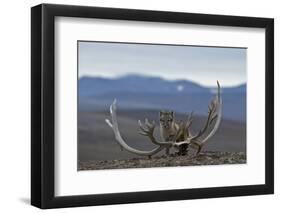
column 188, row 123
column 214, row 114
column 148, row 130
column 114, row 126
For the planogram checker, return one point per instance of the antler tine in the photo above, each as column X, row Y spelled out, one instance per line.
column 189, row 116
column 142, row 127
column 213, row 118
column 149, row 125
column 189, row 120
column 148, row 129
column 143, row 133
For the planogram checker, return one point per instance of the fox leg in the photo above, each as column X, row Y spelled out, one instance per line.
column 167, row 151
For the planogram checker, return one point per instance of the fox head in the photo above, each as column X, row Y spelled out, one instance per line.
column 166, row 119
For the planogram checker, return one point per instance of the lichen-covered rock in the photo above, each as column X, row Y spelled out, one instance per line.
column 204, row 158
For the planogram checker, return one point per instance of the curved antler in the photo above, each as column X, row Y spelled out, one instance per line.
column 217, row 116
column 214, row 114
column 114, row 125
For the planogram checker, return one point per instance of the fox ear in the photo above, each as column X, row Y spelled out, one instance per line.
column 160, row 113
column 173, row 114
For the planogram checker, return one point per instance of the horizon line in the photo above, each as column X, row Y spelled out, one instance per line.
column 160, row 77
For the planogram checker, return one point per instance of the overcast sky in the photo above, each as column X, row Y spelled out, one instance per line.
column 203, row 65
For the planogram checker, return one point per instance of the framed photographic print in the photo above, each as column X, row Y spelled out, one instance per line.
column 139, row 106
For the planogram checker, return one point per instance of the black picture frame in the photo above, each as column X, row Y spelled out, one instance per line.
column 43, row 102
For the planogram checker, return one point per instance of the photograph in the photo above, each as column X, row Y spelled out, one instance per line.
column 149, row 105
column 144, row 105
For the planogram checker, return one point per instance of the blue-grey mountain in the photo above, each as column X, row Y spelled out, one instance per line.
column 153, row 93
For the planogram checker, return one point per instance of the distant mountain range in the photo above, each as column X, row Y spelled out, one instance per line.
column 142, row 92
column 94, row 86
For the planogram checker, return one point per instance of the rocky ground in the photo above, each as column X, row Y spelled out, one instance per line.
column 204, row 158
